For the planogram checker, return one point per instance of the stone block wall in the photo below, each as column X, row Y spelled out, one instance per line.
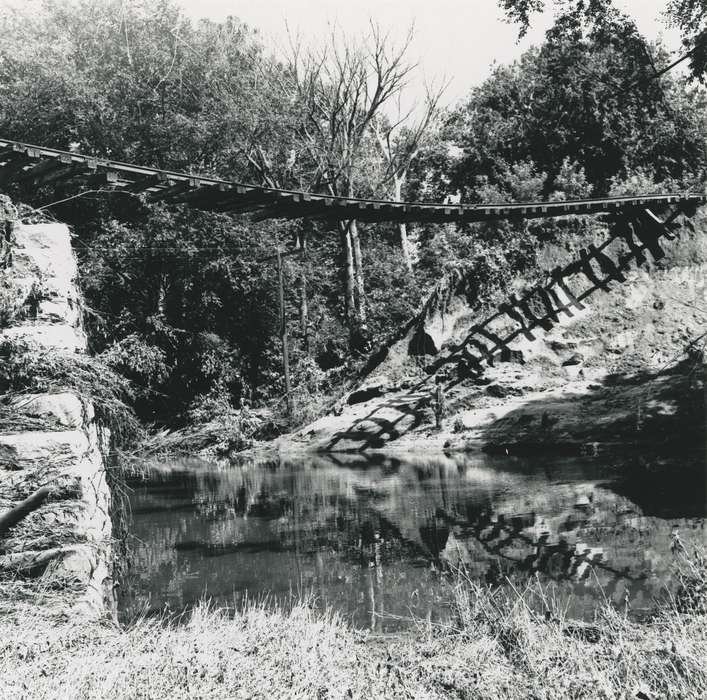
column 67, row 539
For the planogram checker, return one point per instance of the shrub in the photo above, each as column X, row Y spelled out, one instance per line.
column 220, row 426
column 458, row 426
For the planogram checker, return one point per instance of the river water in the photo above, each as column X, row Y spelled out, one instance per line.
column 379, row 538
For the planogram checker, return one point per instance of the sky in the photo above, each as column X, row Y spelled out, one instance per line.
column 455, row 41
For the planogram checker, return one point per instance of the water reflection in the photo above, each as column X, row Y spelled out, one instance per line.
column 373, row 536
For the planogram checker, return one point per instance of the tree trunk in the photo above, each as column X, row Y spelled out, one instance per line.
column 21, row 510
column 303, row 305
column 349, row 301
column 162, row 296
column 283, row 335
column 358, row 272
column 405, row 245
column 402, row 227
column 304, row 311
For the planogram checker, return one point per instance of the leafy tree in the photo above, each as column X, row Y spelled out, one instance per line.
column 600, row 115
column 577, row 116
column 183, row 302
column 689, row 16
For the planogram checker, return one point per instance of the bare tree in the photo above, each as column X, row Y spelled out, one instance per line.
column 336, row 98
column 342, row 89
column 400, row 142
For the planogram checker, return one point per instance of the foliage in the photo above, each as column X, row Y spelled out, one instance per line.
column 604, row 128
column 520, row 11
column 233, row 428
column 135, row 358
column 600, row 119
column 689, row 16
column 184, row 303
column 131, row 80
column 214, row 427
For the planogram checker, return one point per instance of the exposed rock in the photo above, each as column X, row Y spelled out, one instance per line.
column 500, row 391
column 408, row 383
column 447, row 306
column 43, row 274
column 60, row 337
column 576, row 358
column 497, row 390
column 31, row 447
column 64, row 408
column 48, row 248
column 581, row 377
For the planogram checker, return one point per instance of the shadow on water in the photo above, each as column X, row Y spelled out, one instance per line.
column 373, row 536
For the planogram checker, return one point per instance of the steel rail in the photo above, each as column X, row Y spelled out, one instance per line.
column 25, row 163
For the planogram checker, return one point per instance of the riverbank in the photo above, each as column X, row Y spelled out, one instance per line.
column 662, row 411
column 627, row 370
column 496, row 647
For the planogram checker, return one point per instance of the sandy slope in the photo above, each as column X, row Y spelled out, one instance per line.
column 627, row 369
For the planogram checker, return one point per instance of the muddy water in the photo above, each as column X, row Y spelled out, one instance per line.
column 376, row 537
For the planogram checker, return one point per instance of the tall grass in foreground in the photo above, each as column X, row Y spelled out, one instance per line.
column 496, row 647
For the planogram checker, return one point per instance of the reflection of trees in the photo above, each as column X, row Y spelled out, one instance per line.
column 354, row 525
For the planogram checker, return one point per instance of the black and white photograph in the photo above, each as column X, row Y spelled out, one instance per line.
column 353, row 349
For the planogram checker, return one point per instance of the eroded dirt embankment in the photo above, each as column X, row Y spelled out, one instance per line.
column 608, row 352
column 50, row 440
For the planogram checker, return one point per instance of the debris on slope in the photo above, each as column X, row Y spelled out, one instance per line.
column 561, row 366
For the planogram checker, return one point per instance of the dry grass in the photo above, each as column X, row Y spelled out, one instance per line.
column 13, row 421
column 497, row 647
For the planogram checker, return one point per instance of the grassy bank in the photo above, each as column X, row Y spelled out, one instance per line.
column 495, row 647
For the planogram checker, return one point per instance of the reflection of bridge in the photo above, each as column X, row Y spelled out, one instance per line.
column 375, row 532
column 22, row 163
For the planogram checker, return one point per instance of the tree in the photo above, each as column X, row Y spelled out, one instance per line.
column 184, row 302
column 181, row 304
column 577, row 116
column 400, row 143
column 689, row 16
column 133, row 80
column 322, row 139
column 341, row 90
column 603, row 115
